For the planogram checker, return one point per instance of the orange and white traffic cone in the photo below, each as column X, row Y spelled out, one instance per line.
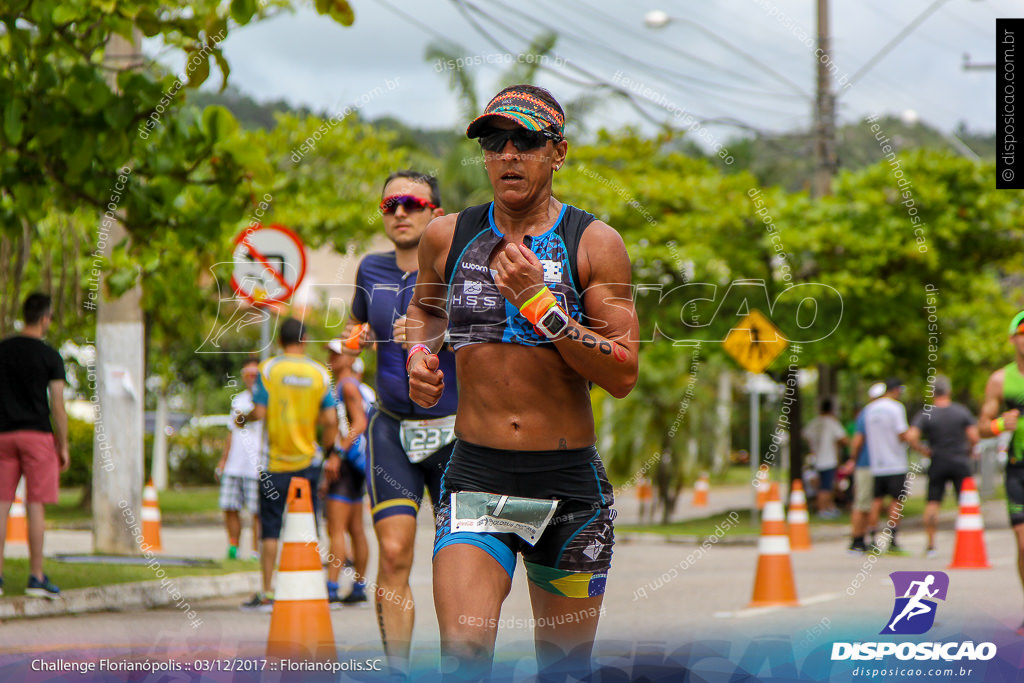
column 700, row 491
column 17, row 523
column 762, row 486
column 969, row 549
column 300, row 626
column 151, row 518
column 798, row 519
column 773, row 583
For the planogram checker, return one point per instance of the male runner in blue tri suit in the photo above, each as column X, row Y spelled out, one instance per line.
column 538, row 297
column 409, row 445
column 345, row 495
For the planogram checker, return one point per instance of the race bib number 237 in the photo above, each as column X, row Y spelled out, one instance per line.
column 422, row 438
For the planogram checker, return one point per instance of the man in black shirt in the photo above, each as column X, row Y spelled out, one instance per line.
column 29, row 446
column 951, row 432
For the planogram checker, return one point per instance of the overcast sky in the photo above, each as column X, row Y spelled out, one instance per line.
column 765, row 80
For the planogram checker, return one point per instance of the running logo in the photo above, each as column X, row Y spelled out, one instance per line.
column 914, row 611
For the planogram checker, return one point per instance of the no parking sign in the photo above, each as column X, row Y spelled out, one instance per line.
column 270, row 262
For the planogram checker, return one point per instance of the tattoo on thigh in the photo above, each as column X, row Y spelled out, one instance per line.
column 562, row 445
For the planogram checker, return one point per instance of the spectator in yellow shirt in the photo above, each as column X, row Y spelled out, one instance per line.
column 293, row 395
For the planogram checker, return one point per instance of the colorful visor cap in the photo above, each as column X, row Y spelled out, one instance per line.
column 521, row 107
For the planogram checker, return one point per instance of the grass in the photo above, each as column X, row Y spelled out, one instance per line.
column 75, row 575
column 734, row 475
column 913, row 509
column 176, row 505
column 705, row 526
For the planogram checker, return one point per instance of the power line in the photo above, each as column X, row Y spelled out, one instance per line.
column 887, row 48
column 647, row 39
column 464, row 7
column 419, row 23
column 923, row 36
column 987, row 33
column 748, row 57
column 597, row 82
column 668, row 74
column 494, row 41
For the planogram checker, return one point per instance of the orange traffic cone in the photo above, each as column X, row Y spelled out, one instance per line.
column 644, row 493
column 773, row 583
column 17, row 524
column 300, row 626
column 762, row 486
column 700, row 491
column 151, row 518
column 798, row 519
column 969, row 549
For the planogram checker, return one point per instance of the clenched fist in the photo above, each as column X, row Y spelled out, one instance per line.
column 519, row 273
column 426, row 381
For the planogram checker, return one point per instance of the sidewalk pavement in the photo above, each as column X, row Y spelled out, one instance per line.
column 209, row 541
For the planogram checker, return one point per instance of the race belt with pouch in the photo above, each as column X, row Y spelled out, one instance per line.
column 480, row 513
column 422, row 438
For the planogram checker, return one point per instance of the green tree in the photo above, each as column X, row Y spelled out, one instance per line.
column 68, row 135
column 694, row 236
column 865, row 243
column 81, row 130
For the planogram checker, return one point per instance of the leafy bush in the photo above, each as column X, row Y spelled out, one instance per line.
column 193, row 454
column 80, row 435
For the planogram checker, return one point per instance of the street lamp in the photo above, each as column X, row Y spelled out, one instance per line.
column 909, row 117
column 657, row 19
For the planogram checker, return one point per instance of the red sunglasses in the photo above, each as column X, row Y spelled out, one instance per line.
column 407, row 201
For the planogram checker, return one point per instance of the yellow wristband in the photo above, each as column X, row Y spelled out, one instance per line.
column 537, row 305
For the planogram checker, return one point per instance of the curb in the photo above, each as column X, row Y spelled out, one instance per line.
column 122, row 596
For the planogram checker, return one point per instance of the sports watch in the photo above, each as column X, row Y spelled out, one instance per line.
column 553, row 322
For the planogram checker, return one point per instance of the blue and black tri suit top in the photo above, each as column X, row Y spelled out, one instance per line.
column 477, row 312
column 383, row 293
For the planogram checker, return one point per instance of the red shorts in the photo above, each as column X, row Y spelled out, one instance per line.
column 33, row 454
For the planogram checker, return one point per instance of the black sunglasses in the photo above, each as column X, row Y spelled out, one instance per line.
column 495, row 139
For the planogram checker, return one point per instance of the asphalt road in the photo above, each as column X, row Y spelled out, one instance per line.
column 649, row 607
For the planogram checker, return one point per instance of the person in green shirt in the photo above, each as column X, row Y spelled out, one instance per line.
column 1004, row 400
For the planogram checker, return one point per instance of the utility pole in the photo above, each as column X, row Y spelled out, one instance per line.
column 825, row 158
column 826, row 163
column 120, row 374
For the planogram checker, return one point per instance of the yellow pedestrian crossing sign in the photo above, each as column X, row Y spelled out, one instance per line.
column 755, row 342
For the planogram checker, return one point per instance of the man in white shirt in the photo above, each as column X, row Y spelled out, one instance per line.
column 886, row 432
column 239, row 466
column 826, row 436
